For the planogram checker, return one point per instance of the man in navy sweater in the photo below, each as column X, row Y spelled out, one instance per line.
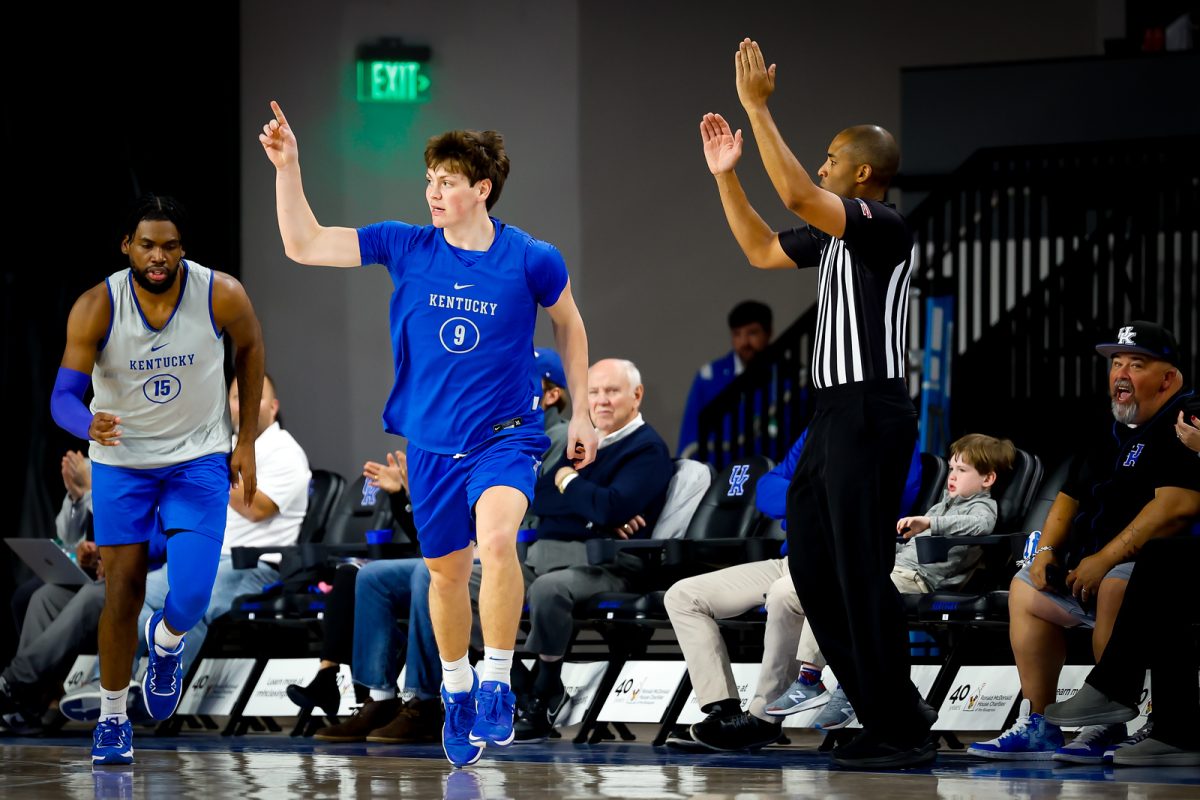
column 611, row 497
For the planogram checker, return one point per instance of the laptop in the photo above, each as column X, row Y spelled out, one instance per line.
column 49, row 562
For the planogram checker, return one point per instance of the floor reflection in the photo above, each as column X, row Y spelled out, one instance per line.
column 58, row 771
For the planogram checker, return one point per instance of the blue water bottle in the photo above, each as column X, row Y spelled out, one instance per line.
column 1031, row 545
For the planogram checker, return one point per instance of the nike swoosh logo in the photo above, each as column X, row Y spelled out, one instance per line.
column 463, row 285
column 160, row 347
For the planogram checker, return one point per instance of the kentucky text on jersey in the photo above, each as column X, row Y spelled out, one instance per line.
column 463, row 304
column 162, row 362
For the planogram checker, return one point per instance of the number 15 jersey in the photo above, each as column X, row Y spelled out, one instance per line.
column 167, row 384
column 462, row 331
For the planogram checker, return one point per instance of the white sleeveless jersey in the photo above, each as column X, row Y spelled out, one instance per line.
column 168, row 385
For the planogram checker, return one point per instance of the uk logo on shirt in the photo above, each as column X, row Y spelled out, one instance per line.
column 737, row 480
column 1132, row 456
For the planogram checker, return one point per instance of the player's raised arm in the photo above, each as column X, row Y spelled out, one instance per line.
column 722, row 150
column 304, row 239
column 233, row 313
column 86, row 328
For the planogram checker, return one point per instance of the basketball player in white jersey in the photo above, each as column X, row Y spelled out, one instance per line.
column 149, row 342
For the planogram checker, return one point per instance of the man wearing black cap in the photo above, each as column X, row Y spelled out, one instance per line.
column 1139, row 483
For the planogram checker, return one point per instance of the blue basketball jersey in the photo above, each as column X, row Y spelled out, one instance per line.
column 462, row 331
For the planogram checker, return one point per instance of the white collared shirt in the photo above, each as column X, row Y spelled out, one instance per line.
column 622, row 432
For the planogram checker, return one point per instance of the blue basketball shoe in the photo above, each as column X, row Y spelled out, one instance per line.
column 112, row 742
column 460, row 719
column 162, row 684
column 495, row 708
column 1030, row 738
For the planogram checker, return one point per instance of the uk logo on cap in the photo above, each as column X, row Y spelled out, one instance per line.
column 1126, row 335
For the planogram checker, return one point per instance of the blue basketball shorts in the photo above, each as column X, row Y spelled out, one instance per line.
column 129, row 504
column 444, row 489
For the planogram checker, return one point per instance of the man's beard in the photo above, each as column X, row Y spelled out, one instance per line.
column 151, row 286
column 1127, row 412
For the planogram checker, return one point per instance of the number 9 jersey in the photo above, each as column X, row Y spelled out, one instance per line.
column 462, row 326
column 166, row 385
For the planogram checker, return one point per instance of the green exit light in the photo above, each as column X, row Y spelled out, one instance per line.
column 392, row 82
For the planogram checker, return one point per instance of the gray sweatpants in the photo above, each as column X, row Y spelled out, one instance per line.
column 59, row 621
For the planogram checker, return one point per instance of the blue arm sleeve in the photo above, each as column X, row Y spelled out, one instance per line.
column 66, row 402
column 771, row 493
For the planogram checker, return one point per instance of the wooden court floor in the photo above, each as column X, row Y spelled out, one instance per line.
column 279, row 767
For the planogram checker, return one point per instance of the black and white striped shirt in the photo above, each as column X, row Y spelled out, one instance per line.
column 862, row 293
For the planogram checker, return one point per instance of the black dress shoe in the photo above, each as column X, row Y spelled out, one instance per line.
column 867, row 751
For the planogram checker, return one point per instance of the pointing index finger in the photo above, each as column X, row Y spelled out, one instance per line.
column 279, row 117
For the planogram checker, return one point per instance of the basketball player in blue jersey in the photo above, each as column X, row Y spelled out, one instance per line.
column 467, row 288
column 148, row 340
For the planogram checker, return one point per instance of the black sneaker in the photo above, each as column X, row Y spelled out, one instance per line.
column 680, row 738
column 867, row 751
column 536, row 722
column 741, row 731
column 17, row 712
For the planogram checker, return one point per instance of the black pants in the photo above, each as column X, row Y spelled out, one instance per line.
column 842, row 508
column 1154, row 631
column 339, row 617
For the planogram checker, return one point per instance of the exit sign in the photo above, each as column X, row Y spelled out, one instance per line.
column 381, row 81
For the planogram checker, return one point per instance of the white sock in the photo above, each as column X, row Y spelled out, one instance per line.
column 456, row 675
column 164, row 640
column 112, row 704
column 497, row 664
column 384, row 694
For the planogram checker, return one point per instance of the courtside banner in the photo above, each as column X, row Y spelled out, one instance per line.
column 643, row 691
column 979, row 699
column 216, row 687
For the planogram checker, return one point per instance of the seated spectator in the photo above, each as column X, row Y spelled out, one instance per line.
column 1146, row 637
column 71, row 527
column 272, row 520
column 628, row 479
column 1137, row 484
column 966, row 508
column 361, row 630
column 694, row 605
column 750, row 330
column 60, row 622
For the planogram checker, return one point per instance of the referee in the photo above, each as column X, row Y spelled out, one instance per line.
column 845, row 496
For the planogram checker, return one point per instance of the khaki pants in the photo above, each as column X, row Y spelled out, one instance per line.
column 694, row 605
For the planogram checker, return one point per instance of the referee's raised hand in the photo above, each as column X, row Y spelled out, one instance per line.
column 755, row 80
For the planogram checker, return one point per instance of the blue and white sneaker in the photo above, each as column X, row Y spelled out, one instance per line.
column 837, row 713
column 1030, row 738
column 495, row 707
column 1089, row 746
column 1138, row 736
column 800, row 696
column 112, row 742
column 460, row 719
column 162, row 685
